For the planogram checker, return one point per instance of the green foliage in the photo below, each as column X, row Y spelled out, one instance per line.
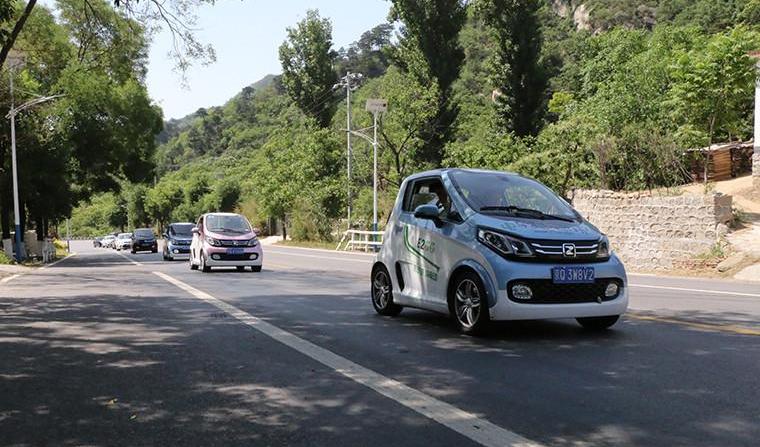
column 514, row 68
column 96, row 217
column 369, row 54
column 429, row 49
column 307, row 67
column 4, row 259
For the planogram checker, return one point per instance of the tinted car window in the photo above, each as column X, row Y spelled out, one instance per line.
column 143, row 233
column 181, row 230
column 500, row 190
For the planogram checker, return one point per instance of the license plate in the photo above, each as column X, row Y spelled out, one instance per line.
column 572, row 275
column 235, row 251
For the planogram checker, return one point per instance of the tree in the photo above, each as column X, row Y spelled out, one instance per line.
column 712, row 88
column 514, row 68
column 307, row 67
column 429, row 48
column 411, row 108
column 178, row 16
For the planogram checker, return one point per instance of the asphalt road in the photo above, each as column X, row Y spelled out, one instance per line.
column 119, row 349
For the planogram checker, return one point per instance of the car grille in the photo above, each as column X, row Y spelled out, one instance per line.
column 553, row 251
column 181, row 242
column 233, row 243
column 546, row 292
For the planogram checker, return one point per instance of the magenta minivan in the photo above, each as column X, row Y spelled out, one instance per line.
column 225, row 240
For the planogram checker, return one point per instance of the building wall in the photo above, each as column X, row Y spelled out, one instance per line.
column 651, row 231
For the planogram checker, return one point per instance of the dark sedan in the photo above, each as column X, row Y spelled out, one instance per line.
column 143, row 239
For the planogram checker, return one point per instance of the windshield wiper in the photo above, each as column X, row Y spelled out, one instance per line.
column 230, row 230
column 526, row 211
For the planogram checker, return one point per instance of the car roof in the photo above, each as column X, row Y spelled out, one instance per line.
column 125, row 234
column 181, row 223
column 440, row 171
column 221, row 214
column 143, row 229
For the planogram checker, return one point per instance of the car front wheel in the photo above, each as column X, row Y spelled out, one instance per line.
column 598, row 323
column 382, row 292
column 204, row 268
column 469, row 304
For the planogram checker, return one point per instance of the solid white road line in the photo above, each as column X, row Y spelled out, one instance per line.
column 8, row 278
column 332, row 258
column 127, row 258
column 683, row 289
column 468, row 424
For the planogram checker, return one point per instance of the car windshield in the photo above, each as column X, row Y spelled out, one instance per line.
column 144, row 233
column 227, row 223
column 181, row 230
column 509, row 194
column 125, row 235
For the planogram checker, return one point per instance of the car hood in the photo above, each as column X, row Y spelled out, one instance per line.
column 181, row 238
column 231, row 236
column 542, row 228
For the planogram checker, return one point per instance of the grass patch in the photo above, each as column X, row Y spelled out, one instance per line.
column 4, row 259
column 309, row 244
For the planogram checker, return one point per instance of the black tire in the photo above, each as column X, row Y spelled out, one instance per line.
column 468, row 303
column 133, row 252
column 204, row 268
column 382, row 292
column 240, row 268
column 598, row 323
column 154, row 250
column 255, row 268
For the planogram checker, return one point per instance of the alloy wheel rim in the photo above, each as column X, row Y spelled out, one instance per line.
column 381, row 290
column 467, row 303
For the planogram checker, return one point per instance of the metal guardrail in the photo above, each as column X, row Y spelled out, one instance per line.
column 360, row 239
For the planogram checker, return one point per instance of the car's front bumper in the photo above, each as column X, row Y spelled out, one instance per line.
column 219, row 257
column 505, row 308
column 176, row 251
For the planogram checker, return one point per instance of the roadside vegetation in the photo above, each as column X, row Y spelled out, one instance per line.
column 610, row 102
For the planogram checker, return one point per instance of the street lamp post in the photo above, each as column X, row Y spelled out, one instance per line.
column 16, row 207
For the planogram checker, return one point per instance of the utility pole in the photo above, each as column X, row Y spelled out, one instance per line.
column 346, row 83
column 376, row 106
column 348, row 148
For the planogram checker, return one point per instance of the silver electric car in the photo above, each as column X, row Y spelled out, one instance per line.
column 488, row 245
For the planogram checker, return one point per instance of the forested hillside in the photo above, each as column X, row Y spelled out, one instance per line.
column 596, row 93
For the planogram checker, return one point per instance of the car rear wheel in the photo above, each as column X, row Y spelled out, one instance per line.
column 255, row 268
column 598, row 323
column 468, row 303
column 382, row 292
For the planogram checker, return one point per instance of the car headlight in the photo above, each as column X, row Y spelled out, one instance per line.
column 253, row 242
column 604, row 248
column 212, row 241
column 503, row 244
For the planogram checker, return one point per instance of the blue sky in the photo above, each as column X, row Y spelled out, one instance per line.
column 246, row 35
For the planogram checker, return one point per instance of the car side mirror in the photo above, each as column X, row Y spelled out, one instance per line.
column 257, row 232
column 427, row 211
column 195, row 230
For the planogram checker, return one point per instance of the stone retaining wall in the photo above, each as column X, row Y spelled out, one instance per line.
column 651, row 231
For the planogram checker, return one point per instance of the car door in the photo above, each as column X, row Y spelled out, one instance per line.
column 418, row 250
column 197, row 243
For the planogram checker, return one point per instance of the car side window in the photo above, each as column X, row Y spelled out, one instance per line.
column 429, row 191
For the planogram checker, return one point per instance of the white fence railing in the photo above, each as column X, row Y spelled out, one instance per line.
column 361, row 240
